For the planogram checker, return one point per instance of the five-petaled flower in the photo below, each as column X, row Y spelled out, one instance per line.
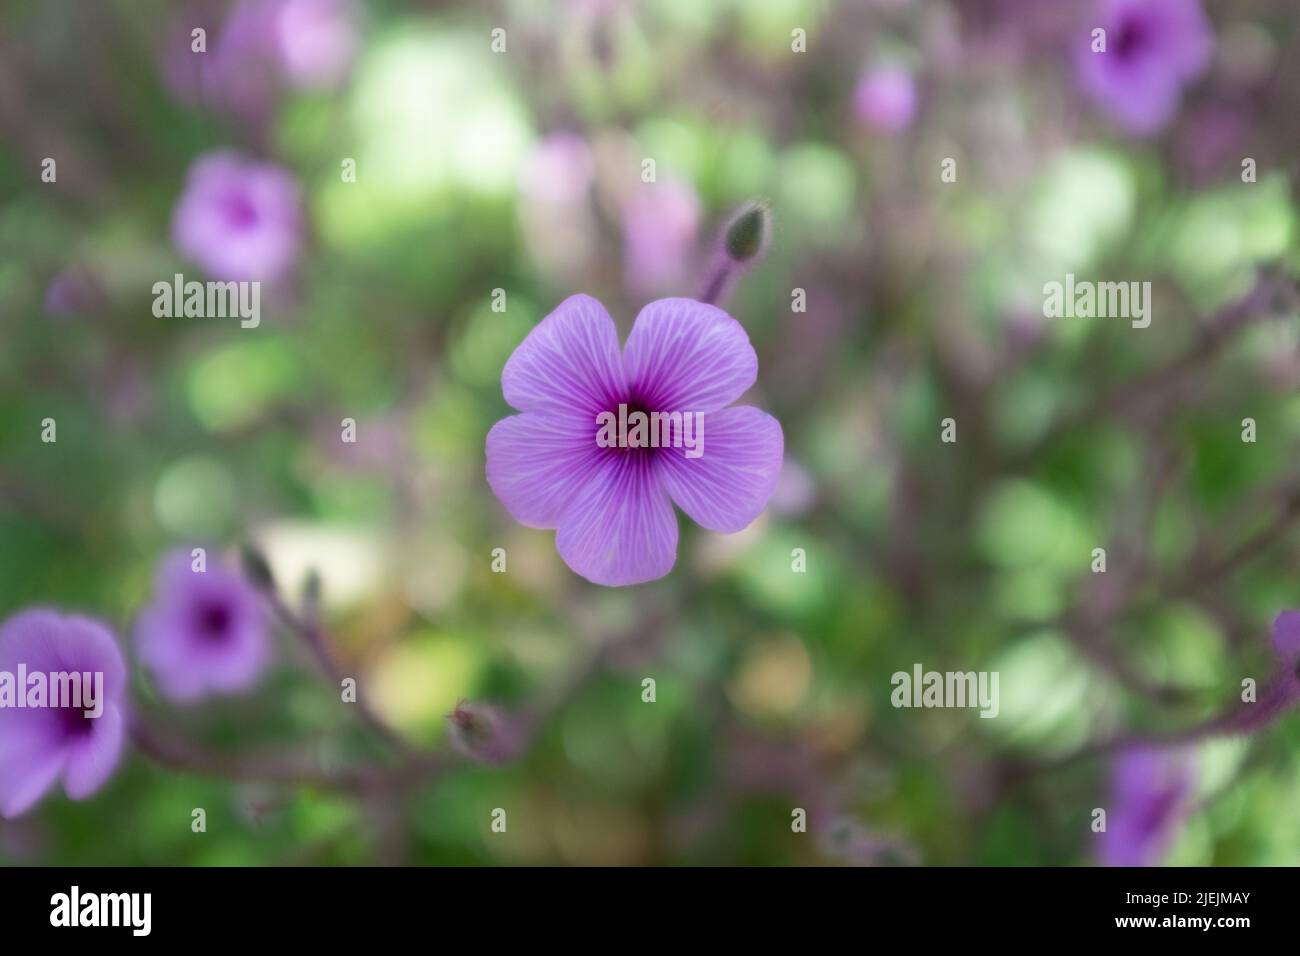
column 42, row 745
column 240, row 219
column 1154, row 48
column 612, row 508
column 205, row 632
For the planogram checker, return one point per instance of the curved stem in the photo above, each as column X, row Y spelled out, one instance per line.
column 318, row 643
column 180, row 755
column 717, row 283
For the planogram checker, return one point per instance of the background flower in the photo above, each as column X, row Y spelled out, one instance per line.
column 660, row 221
column 885, row 98
column 1154, row 48
column 39, row 747
column 239, row 219
column 204, row 633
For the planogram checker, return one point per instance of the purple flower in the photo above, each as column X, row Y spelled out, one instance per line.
column 239, row 219
column 885, row 99
column 205, row 632
column 795, row 491
column 613, row 506
column 43, row 745
column 262, row 47
column 1150, row 794
column 559, row 170
column 1154, row 48
column 659, row 225
column 237, row 72
column 317, row 41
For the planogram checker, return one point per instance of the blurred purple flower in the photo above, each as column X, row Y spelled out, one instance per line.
column 1150, row 796
column 659, row 227
column 317, row 41
column 795, row 490
column 885, row 99
column 237, row 72
column 260, row 48
column 1154, row 48
column 41, row 746
column 239, row 219
column 558, row 170
column 612, row 506
column 205, row 632
column 554, row 209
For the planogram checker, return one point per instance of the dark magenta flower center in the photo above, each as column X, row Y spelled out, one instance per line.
column 74, row 721
column 1131, row 38
column 634, row 405
column 240, row 211
column 214, row 620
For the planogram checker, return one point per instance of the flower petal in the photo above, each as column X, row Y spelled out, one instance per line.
column 685, row 356
column 621, row 528
column 1286, row 637
column 568, row 363
column 30, row 769
column 92, row 762
column 535, row 463
column 728, row 485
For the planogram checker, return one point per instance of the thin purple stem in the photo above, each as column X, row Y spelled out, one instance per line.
column 318, row 643
column 716, row 286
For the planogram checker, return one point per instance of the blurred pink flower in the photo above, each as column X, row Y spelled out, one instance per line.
column 885, row 99
column 262, row 47
column 1154, row 48
column 795, row 490
column 559, row 169
column 40, row 746
column 317, row 41
column 659, row 227
column 204, row 633
column 239, row 219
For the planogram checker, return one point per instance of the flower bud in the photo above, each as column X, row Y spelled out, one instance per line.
column 482, row 733
column 256, row 568
column 746, row 236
